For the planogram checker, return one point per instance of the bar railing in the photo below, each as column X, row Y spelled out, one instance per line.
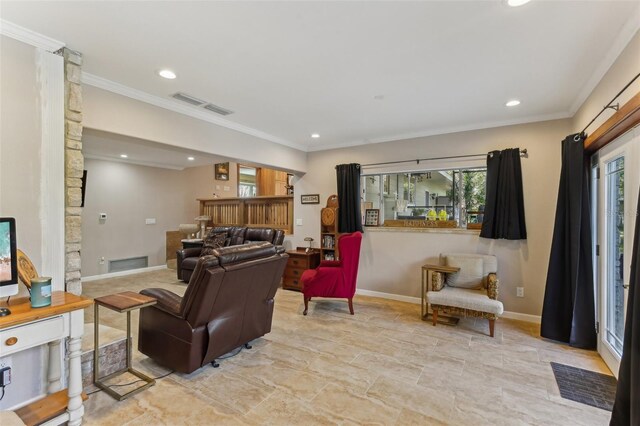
column 269, row 211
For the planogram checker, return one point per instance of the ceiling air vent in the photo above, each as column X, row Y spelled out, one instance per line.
column 188, row 99
column 217, row 109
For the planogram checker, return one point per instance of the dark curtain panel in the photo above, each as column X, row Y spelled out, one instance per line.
column 504, row 202
column 349, row 217
column 626, row 409
column 568, row 313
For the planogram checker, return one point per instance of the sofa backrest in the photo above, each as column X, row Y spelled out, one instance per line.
column 260, row 234
column 235, row 234
column 240, row 234
column 489, row 263
column 203, row 285
column 242, row 306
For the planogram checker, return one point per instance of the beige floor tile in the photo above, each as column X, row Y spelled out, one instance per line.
column 383, row 365
column 436, row 403
column 356, row 408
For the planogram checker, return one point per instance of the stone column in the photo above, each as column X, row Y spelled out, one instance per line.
column 74, row 167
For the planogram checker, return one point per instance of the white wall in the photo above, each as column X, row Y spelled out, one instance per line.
column 129, row 194
column 621, row 72
column 21, row 186
column 391, row 260
column 115, row 113
column 20, row 136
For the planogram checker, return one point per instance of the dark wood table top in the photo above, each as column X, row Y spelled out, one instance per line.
column 125, row 301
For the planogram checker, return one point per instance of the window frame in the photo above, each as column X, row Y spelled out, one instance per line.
column 459, row 213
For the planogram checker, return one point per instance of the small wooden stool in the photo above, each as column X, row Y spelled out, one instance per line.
column 120, row 302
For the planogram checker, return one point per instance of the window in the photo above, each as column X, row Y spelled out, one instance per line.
column 246, row 181
column 427, row 194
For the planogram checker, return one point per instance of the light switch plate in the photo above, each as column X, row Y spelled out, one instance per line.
column 298, row 222
column 150, row 221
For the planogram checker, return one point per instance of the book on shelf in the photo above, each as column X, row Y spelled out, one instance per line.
column 328, row 242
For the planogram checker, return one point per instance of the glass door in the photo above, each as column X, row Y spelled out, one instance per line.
column 617, row 200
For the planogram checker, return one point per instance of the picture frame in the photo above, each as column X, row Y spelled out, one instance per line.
column 310, row 199
column 221, row 171
column 372, row 217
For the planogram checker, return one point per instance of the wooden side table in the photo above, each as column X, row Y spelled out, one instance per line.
column 120, row 302
column 427, row 275
column 299, row 261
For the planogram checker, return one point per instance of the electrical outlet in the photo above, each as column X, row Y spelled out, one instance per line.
column 5, row 362
column 101, row 260
column 520, row 291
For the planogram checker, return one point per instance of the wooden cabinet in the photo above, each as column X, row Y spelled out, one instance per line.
column 271, row 182
column 298, row 262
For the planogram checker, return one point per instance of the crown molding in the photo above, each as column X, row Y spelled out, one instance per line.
column 130, row 161
column 33, row 38
column 175, row 106
column 626, row 33
column 447, row 130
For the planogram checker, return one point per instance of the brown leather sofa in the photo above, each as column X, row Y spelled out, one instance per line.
column 228, row 303
column 236, row 235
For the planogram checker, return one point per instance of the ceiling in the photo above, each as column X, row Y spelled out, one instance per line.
column 354, row 72
column 110, row 146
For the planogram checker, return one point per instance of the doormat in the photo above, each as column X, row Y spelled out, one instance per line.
column 584, row 386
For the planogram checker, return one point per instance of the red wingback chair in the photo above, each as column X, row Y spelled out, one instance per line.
column 335, row 278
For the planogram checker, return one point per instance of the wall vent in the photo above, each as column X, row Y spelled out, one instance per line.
column 188, row 99
column 128, row 264
column 217, row 109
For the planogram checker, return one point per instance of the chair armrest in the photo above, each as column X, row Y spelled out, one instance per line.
column 189, row 252
column 437, row 281
column 331, row 263
column 492, row 286
column 167, row 300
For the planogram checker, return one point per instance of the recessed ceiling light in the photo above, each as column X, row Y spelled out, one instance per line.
column 191, row 158
column 513, row 103
column 167, row 74
column 315, row 135
column 516, row 3
column 123, row 155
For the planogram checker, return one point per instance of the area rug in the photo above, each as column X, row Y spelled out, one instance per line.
column 584, row 386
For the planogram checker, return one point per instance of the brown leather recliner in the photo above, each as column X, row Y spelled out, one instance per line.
column 236, row 235
column 228, row 303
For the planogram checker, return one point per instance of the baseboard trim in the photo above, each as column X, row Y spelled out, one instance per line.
column 122, row 273
column 536, row 319
column 391, row 296
column 416, row 301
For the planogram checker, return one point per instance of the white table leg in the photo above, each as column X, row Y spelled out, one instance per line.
column 54, row 372
column 75, row 407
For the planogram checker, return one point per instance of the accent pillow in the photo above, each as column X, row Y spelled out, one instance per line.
column 213, row 241
column 470, row 274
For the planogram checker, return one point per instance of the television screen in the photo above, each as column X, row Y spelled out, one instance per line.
column 5, row 251
column 8, row 257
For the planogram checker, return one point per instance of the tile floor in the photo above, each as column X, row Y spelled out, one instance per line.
column 382, row 366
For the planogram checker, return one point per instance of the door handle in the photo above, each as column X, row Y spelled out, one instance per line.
column 625, row 285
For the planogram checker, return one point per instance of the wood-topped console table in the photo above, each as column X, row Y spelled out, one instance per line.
column 28, row 327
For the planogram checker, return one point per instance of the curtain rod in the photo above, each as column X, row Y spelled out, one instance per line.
column 615, row 107
column 523, row 153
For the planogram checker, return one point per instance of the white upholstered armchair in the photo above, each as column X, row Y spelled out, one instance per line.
column 472, row 291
